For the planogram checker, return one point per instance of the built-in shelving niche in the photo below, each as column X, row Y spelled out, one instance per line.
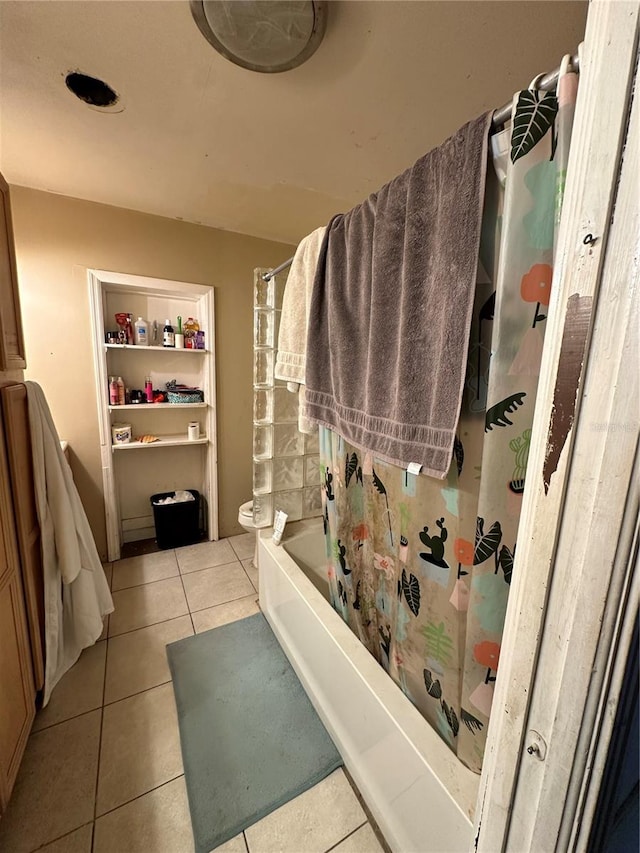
column 130, row 472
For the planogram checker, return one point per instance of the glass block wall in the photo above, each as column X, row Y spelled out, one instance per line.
column 286, row 465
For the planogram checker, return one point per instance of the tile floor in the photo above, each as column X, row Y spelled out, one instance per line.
column 103, row 771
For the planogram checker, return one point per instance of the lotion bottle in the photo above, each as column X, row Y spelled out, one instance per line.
column 114, row 397
column 278, row 526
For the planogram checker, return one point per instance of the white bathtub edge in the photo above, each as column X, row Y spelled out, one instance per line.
column 296, row 610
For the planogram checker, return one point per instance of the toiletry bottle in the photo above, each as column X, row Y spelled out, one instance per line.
column 168, row 336
column 120, row 384
column 148, row 389
column 278, row 526
column 114, row 397
column 129, row 331
column 179, row 336
column 142, row 332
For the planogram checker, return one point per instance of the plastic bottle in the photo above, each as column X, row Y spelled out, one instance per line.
column 148, row 389
column 179, row 336
column 114, row 397
column 168, row 336
column 279, row 525
column 120, row 384
column 142, row 332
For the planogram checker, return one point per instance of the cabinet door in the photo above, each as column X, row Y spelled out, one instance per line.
column 17, row 695
column 15, row 413
column 12, row 355
column 17, row 690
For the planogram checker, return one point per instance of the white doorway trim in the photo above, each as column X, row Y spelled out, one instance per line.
column 575, row 575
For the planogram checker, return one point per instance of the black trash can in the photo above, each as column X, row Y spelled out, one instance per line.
column 176, row 524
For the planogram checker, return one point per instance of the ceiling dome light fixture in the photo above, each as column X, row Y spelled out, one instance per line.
column 262, row 35
column 92, row 91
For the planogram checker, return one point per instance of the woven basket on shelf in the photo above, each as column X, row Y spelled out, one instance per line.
column 186, row 397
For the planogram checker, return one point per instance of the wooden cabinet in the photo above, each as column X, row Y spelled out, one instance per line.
column 17, row 682
column 17, row 689
column 12, row 355
column 14, row 410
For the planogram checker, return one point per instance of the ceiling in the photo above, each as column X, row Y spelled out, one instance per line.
column 272, row 155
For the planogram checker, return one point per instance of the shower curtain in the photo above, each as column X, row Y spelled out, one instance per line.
column 420, row 568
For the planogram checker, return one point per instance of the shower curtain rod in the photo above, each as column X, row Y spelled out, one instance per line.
column 500, row 116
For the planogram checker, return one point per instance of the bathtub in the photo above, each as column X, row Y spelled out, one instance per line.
column 419, row 794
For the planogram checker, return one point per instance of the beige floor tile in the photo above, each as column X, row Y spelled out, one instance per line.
column 138, row 660
column 158, row 822
column 145, row 568
column 205, row 555
column 76, row 842
column 213, row 617
column 105, row 629
column 78, row 691
column 145, row 605
column 209, row 587
column 362, row 841
column 140, row 747
column 252, row 571
column 233, row 845
column 244, row 545
column 313, row 822
column 55, row 787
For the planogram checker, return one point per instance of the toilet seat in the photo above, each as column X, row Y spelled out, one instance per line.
column 245, row 516
column 246, row 510
column 245, row 520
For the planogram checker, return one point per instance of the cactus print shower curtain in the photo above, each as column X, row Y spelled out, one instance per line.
column 420, row 568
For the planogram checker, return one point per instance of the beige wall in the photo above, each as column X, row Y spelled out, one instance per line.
column 57, row 239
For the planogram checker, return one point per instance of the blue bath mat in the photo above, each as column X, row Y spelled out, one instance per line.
column 251, row 739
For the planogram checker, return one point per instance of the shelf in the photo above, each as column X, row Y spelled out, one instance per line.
column 165, row 441
column 126, row 488
column 130, row 406
column 153, row 348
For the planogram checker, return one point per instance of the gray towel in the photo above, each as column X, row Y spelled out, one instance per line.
column 391, row 308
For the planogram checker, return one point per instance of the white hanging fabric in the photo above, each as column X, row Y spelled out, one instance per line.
column 76, row 592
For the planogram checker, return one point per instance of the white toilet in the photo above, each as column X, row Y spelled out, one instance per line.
column 245, row 520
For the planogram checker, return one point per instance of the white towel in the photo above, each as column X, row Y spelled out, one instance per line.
column 76, row 592
column 292, row 338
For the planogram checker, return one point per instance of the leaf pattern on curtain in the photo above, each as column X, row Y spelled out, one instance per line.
column 420, row 569
column 533, row 117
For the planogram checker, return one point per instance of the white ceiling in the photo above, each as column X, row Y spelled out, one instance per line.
column 273, row 155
